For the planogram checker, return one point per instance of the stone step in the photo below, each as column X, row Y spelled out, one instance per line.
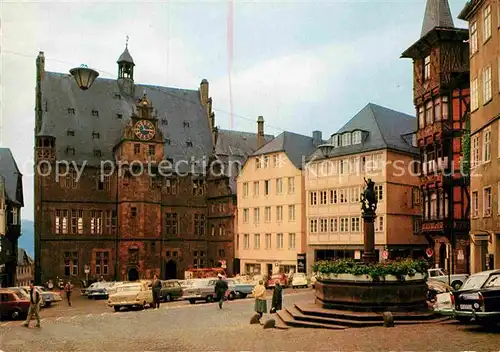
column 298, row 315
column 288, row 319
column 315, row 310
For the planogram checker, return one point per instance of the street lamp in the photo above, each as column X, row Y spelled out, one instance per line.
column 84, row 76
column 326, row 149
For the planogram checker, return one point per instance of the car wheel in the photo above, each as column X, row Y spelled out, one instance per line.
column 192, row 301
column 232, row 296
column 117, row 308
column 209, row 299
column 15, row 314
column 43, row 304
column 243, row 295
column 168, row 298
column 456, row 285
column 48, row 304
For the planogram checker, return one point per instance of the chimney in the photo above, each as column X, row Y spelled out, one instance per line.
column 317, row 138
column 204, row 92
column 260, row 132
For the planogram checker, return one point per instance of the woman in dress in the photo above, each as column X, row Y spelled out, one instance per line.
column 259, row 292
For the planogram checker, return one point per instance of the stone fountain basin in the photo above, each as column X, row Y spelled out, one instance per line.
column 362, row 293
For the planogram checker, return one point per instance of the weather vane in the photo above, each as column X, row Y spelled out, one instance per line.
column 126, row 41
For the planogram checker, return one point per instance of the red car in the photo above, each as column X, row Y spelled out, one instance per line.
column 282, row 278
column 12, row 306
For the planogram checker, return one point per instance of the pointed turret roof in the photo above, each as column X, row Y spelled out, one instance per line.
column 437, row 14
column 126, row 57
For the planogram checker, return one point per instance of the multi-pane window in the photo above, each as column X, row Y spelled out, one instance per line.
column 475, row 204
column 171, row 223
column 61, row 221
column 487, row 85
column 346, row 139
column 473, row 37
column 137, row 148
column 379, row 224
column 151, row 150
column 416, row 196
column 437, row 109
column 291, row 185
column 343, row 196
column 344, row 224
column 258, row 162
column 356, row 137
column 199, row 224
column 198, row 187
column 256, row 215
column 77, row 221
column 266, row 161
column 333, row 196
column 427, row 68
column 487, row 23
column 379, row 192
column 421, row 116
column 111, row 221
column 268, row 241
column 96, row 221
column 355, row 193
column 291, row 213
column 475, row 161
column 267, row 187
column 70, row 179
column 291, row 241
column 279, row 240
column 256, row 188
column 333, row 225
column 343, row 166
column 222, row 230
column 246, row 215
column 323, row 197
column 313, row 225
column 256, row 241
column 428, row 113
column 102, row 263
column 487, row 145
column 104, row 183
column 171, row 186
column 279, row 185
column 279, row 213
column 323, row 225
column 313, row 198
column 474, row 96
column 355, row 225
column 70, row 263
column 267, row 214
column 487, row 201
column 245, row 189
column 276, row 160
column 246, row 241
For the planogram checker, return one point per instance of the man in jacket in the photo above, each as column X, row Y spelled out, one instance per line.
column 69, row 289
column 156, row 288
column 220, row 290
column 34, row 310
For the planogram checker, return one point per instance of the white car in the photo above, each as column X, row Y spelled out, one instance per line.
column 443, row 304
column 299, row 280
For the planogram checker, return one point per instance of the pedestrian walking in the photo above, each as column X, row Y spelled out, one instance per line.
column 277, row 300
column 259, row 292
column 220, row 290
column 34, row 310
column 68, row 289
column 156, row 287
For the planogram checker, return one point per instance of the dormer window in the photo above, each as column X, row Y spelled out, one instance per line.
column 335, row 141
column 189, row 143
column 356, row 137
column 97, row 152
column 71, row 133
column 70, row 151
column 95, row 135
column 164, row 122
column 95, row 113
column 71, row 111
column 346, row 139
column 187, row 124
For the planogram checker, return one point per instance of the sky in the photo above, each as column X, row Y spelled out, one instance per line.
column 302, row 65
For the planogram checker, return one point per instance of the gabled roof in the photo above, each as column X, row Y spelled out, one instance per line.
column 174, row 106
column 387, row 129
column 437, row 14
column 295, row 146
column 12, row 177
column 23, row 258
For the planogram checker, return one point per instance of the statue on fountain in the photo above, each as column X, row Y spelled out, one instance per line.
column 368, row 198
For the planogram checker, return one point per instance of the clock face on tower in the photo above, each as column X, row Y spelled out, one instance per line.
column 144, row 130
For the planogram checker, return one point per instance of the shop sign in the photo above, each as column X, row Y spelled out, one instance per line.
column 432, row 226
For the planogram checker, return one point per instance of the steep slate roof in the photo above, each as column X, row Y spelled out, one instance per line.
column 125, row 57
column 59, row 93
column 294, row 145
column 12, row 177
column 23, row 257
column 387, row 129
column 437, row 14
column 236, row 147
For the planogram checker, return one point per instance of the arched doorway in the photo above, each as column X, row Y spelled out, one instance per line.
column 442, row 256
column 171, row 270
column 133, row 275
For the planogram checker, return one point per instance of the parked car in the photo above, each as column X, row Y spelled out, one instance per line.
column 478, row 299
column 131, row 295
column 435, row 287
column 282, row 278
column 48, row 297
column 170, row 290
column 299, row 280
column 455, row 280
column 238, row 289
column 20, row 292
column 13, row 306
column 55, row 296
column 100, row 289
column 200, row 290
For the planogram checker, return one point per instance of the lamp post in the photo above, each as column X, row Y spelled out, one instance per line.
column 326, row 149
column 84, row 76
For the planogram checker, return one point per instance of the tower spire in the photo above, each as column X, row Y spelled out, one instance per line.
column 126, row 42
column 437, row 14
